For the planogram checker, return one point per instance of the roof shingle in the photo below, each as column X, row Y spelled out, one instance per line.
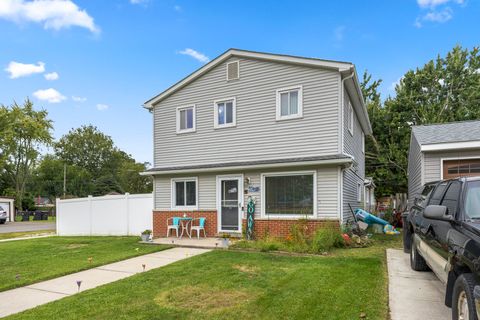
column 460, row 131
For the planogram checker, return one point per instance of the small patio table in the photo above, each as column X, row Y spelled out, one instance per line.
column 184, row 223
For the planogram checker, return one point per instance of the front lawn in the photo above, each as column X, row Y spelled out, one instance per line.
column 346, row 284
column 28, row 261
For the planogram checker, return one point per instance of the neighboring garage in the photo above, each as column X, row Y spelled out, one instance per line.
column 442, row 151
column 8, row 205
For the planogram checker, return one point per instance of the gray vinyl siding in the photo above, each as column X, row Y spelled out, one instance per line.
column 352, row 145
column 257, row 135
column 415, row 162
column 433, row 162
column 327, row 189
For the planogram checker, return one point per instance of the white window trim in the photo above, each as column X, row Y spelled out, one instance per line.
column 300, row 103
column 216, row 125
column 238, row 70
column 263, row 212
column 351, row 118
column 194, row 128
column 359, row 192
column 173, row 193
column 363, row 142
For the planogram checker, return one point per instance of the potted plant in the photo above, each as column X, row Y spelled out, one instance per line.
column 146, row 235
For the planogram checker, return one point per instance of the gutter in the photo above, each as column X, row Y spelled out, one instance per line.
column 247, row 167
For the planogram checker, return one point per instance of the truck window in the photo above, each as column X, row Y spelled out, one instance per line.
column 450, row 200
column 438, row 193
column 421, row 201
column 472, row 200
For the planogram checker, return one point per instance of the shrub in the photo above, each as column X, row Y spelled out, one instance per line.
column 269, row 244
column 327, row 238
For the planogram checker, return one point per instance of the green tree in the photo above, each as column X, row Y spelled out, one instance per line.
column 111, row 169
column 88, row 148
column 443, row 90
column 27, row 130
column 48, row 179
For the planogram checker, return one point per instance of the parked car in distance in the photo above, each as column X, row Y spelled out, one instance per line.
column 3, row 215
column 443, row 235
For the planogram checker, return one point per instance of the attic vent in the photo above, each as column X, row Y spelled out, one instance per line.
column 233, row 70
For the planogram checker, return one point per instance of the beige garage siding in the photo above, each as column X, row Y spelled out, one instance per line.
column 433, row 162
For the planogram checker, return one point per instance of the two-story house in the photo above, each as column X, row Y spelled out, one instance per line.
column 286, row 131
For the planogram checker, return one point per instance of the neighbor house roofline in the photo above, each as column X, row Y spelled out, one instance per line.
column 345, row 68
column 250, row 165
column 450, row 146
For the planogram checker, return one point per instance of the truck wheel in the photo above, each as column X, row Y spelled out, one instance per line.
column 463, row 302
column 407, row 238
column 416, row 260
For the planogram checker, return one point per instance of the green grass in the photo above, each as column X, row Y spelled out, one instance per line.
column 242, row 285
column 12, row 235
column 28, row 261
column 50, row 219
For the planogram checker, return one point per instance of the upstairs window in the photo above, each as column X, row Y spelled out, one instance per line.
column 186, row 119
column 225, row 113
column 289, row 103
column 350, row 118
column 363, row 142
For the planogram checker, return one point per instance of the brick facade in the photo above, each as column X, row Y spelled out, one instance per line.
column 273, row 227
column 160, row 221
column 281, row 227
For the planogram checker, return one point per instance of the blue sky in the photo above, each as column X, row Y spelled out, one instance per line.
column 103, row 59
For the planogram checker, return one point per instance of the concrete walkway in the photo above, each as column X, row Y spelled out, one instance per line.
column 414, row 295
column 20, row 299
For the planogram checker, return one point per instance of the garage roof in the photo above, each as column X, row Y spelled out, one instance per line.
column 461, row 131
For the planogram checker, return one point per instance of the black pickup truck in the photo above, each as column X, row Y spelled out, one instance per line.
column 442, row 234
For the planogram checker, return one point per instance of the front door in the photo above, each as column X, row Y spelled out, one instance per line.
column 230, row 198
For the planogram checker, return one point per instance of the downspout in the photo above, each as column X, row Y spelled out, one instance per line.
column 342, row 105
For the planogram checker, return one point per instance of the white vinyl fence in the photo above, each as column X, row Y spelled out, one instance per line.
column 118, row 215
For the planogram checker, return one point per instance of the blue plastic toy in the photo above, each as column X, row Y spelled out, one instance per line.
column 370, row 219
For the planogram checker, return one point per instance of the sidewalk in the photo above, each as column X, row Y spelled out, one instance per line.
column 20, row 299
column 414, row 295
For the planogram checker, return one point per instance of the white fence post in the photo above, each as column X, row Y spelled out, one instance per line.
column 127, row 205
column 57, row 215
column 90, row 214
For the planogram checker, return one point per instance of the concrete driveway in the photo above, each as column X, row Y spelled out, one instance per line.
column 26, row 226
column 414, row 295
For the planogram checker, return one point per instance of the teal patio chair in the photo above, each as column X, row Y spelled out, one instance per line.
column 173, row 224
column 198, row 225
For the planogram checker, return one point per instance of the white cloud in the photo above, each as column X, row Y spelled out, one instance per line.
column 17, row 69
column 102, row 107
column 51, row 95
column 79, row 99
column 53, row 14
column 441, row 82
column 195, row 54
column 51, row 76
column 435, row 3
column 439, row 16
column 339, row 33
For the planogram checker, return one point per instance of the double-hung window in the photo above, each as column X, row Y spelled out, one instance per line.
column 186, row 119
column 289, row 103
column 289, row 194
column 351, row 118
column 184, row 193
column 225, row 113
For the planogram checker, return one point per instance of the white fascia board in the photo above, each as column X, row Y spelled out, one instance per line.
column 450, row 146
column 249, row 167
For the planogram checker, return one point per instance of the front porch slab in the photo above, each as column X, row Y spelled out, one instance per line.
column 207, row 243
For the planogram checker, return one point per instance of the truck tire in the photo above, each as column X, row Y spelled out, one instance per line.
column 463, row 301
column 416, row 260
column 407, row 237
